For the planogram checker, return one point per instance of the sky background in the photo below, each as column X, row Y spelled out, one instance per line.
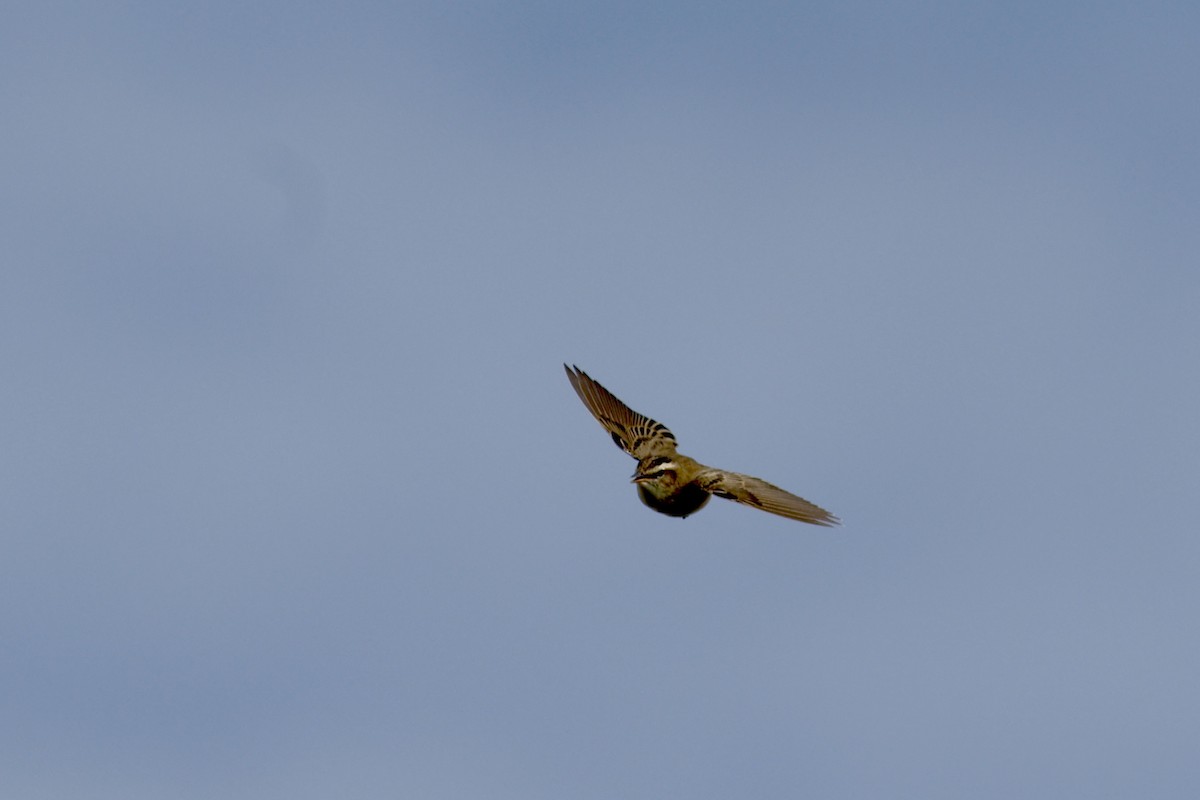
column 297, row 501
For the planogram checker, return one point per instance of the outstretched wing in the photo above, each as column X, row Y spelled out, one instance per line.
column 758, row 493
column 635, row 434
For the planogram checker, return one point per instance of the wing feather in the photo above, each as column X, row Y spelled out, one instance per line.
column 756, row 492
column 637, row 435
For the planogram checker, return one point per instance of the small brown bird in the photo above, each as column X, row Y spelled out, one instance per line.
column 670, row 482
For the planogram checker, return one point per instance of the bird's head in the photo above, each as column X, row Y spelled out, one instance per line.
column 656, row 470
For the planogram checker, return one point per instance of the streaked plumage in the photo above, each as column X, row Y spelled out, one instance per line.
column 672, row 483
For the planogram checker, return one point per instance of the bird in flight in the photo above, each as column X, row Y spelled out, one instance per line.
column 670, row 482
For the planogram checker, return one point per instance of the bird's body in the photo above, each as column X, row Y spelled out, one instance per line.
column 673, row 493
column 672, row 483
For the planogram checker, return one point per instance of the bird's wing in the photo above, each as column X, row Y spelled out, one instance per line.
column 758, row 493
column 635, row 434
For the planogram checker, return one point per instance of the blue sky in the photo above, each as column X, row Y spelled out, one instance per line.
column 299, row 502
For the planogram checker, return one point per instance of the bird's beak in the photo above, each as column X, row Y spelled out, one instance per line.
column 636, row 478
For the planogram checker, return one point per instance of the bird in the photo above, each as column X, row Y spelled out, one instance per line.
column 674, row 484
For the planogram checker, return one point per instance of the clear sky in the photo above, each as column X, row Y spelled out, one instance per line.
column 297, row 501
